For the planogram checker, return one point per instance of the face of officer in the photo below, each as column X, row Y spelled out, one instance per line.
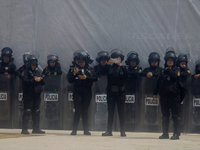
column 103, row 62
column 6, row 59
column 132, row 63
column 183, row 65
column 52, row 63
column 154, row 63
column 33, row 66
column 170, row 62
column 81, row 63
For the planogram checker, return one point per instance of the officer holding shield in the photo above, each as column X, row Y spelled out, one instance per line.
column 116, row 75
column 169, row 90
column 53, row 67
column 32, row 88
column 83, row 76
column 7, row 66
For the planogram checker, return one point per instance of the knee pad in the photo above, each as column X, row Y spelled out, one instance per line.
column 27, row 111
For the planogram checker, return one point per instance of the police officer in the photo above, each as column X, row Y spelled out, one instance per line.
column 83, row 76
column 32, row 88
column 132, row 83
column 25, row 66
column 132, row 62
column 116, row 75
column 169, row 91
column 102, row 59
column 53, row 67
column 195, row 89
column 154, row 69
column 7, row 66
column 184, row 74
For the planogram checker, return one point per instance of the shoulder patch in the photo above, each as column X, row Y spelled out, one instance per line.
column 188, row 71
column 55, row 73
column 178, row 74
column 6, row 68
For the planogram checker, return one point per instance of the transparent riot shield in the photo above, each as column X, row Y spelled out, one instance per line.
column 193, row 118
column 150, row 109
column 5, row 101
column 18, row 104
column 100, row 106
column 51, row 106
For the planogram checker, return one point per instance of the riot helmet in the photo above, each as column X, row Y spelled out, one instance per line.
column 6, row 51
column 51, row 57
column 115, row 53
column 182, row 58
column 102, row 55
column 32, row 60
column 154, row 56
column 170, row 54
column 197, row 65
column 82, row 56
column 132, row 56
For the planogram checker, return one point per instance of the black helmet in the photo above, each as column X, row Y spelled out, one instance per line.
column 25, row 57
column 154, row 56
column 51, row 57
column 170, row 54
column 6, row 51
column 32, row 60
column 115, row 53
column 82, row 55
column 132, row 56
column 182, row 58
column 102, row 55
column 197, row 64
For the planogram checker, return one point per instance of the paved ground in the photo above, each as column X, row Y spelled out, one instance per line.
column 11, row 139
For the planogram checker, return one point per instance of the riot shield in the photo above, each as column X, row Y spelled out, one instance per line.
column 51, row 105
column 150, row 109
column 6, row 101
column 194, row 107
column 100, row 106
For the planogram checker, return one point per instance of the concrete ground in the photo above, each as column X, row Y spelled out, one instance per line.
column 11, row 139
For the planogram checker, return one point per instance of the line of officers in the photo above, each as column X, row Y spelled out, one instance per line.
column 170, row 84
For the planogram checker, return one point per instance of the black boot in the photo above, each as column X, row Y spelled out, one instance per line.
column 86, row 132
column 123, row 132
column 108, row 132
column 25, row 121
column 73, row 133
column 175, row 137
column 24, row 131
column 165, row 126
column 36, row 122
column 164, row 136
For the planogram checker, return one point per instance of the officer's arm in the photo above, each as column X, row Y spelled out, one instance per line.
column 93, row 77
column 126, row 71
column 157, row 72
column 174, row 73
column 185, row 73
column 70, row 76
column 26, row 80
column 104, row 69
column 59, row 71
column 144, row 72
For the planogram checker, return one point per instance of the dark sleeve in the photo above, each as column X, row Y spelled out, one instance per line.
column 92, row 78
column 126, row 71
column 174, row 73
column 157, row 73
column 155, row 92
column 26, row 80
column 59, row 71
column 42, row 82
column 185, row 73
column 144, row 72
column 70, row 76
column 104, row 69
